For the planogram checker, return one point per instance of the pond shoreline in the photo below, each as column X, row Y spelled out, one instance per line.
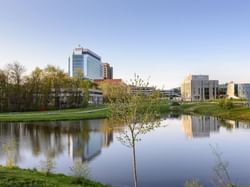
column 27, row 177
column 101, row 112
column 237, row 113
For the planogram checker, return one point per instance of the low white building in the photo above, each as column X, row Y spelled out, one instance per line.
column 240, row 91
column 199, row 88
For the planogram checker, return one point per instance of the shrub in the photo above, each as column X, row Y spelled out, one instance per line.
column 174, row 103
column 192, row 183
column 80, row 171
column 226, row 103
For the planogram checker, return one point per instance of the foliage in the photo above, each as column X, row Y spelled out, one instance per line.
column 10, row 151
column 226, row 103
column 112, row 92
column 221, row 177
column 213, row 109
column 48, row 164
column 80, row 171
column 16, row 177
column 175, row 103
column 40, row 89
column 192, row 183
column 140, row 113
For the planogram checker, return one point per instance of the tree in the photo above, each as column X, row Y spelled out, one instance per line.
column 139, row 113
column 111, row 92
column 3, row 90
column 15, row 73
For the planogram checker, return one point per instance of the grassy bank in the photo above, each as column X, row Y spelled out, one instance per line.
column 213, row 109
column 97, row 112
column 16, row 177
column 92, row 112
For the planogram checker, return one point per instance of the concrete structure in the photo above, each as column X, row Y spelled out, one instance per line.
column 241, row 91
column 172, row 93
column 199, row 88
column 199, row 126
column 114, row 82
column 145, row 91
column 222, row 91
column 95, row 96
column 107, row 71
column 65, row 97
column 85, row 63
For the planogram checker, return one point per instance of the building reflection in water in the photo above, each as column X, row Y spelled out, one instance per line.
column 79, row 139
column 199, row 126
column 203, row 126
column 235, row 124
column 89, row 144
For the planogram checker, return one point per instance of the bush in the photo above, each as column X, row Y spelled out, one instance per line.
column 174, row 103
column 192, row 183
column 80, row 171
column 226, row 103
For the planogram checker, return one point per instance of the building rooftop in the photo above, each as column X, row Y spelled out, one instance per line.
column 81, row 50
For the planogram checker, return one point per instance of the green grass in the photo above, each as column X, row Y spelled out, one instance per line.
column 96, row 112
column 91, row 112
column 16, row 177
column 213, row 109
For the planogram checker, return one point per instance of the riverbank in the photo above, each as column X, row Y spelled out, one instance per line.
column 237, row 113
column 25, row 177
column 91, row 112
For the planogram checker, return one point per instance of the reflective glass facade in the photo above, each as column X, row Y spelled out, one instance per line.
column 244, row 91
column 86, row 62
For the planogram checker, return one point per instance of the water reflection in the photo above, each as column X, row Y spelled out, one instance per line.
column 82, row 139
column 165, row 156
column 203, row 126
column 199, row 126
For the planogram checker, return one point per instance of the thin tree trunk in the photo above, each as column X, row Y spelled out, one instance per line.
column 134, row 166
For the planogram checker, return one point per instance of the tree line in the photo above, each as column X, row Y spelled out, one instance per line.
column 41, row 89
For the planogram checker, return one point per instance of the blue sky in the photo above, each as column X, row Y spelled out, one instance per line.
column 161, row 39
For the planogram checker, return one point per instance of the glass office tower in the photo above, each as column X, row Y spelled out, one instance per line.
column 86, row 62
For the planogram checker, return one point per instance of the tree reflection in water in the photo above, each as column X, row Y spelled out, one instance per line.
column 79, row 139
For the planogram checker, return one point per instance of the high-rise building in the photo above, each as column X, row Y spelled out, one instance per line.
column 199, row 88
column 107, row 71
column 85, row 62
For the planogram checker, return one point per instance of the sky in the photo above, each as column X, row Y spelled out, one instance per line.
column 163, row 40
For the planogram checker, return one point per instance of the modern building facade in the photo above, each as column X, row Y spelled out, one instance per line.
column 172, row 93
column 144, row 91
column 199, row 88
column 199, row 126
column 241, row 91
column 107, row 71
column 85, row 62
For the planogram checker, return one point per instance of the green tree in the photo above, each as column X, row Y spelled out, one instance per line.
column 3, row 91
column 15, row 73
column 112, row 92
column 139, row 113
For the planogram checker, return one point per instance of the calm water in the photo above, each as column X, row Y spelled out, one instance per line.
column 167, row 156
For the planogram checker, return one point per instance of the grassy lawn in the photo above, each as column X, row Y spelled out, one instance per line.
column 213, row 109
column 91, row 112
column 96, row 112
column 16, row 177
